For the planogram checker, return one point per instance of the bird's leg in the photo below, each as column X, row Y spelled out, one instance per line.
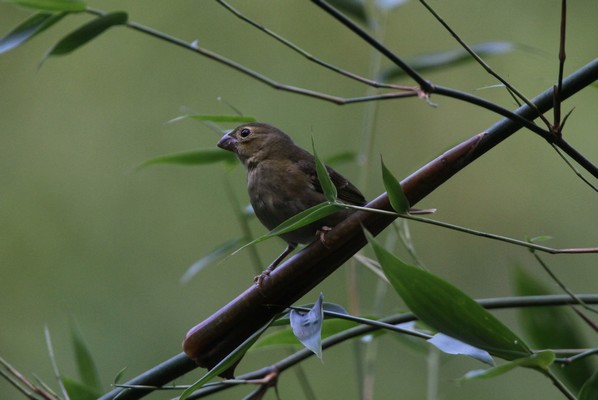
column 260, row 278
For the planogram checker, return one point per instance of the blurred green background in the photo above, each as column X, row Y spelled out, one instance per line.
column 85, row 236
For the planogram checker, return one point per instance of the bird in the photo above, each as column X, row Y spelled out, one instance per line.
column 282, row 181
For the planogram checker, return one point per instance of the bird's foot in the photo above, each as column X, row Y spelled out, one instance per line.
column 321, row 233
column 259, row 279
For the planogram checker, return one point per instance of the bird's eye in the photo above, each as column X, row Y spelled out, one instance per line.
column 245, row 132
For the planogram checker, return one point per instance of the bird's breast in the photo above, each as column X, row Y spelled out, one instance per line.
column 277, row 192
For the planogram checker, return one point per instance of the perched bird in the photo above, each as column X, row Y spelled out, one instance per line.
column 282, row 181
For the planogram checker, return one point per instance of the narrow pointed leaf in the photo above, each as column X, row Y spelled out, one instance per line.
column 451, row 345
column 286, row 337
column 552, row 328
column 341, row 158
column 215, row 255
column 195, row 157
column 51, row 5
column 87, row 32
column 303, row 218
column 79, row 391
column 222, row 118
column 539, row 361
column 397, row 198
column 28, row 29
column 447, row 309
column 85, row 364
column 589, row 391
column 226, row 363
column 449, row 58
column 307, row 326
column 327, row 186
column 354, row 8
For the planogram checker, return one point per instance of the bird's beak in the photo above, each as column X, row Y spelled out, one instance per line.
column 228, row 142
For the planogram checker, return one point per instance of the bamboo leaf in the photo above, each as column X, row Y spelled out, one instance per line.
column 78, row 390
column 51, row 5
column 397, row 198
column 226, row 363
column 447, row 309
column 539, row 361
column 86, row 33
column 355, row 8
column 303, row 218
column 451, row 345
column 210, row 258
column 27, row 30
column 589, row 391
column 442, row 59
column 307, row 326
column 327, row 186
column 222, row 118
column 194, row 157
column 86, row 366
column 552, row 328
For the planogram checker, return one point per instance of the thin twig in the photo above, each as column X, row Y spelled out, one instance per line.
column 559, row 385
column 254, row 74
column 484, row 65
column 290, row 361
column 55, row 364
column 532, row 246
column 426, row 87
column 312, row 58
column 572, row 167
column 557, row 125
column 579, row 356
column 424, row 84
column 561, row 284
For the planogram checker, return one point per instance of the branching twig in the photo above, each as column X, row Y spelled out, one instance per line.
column 484, row 65
column 531, row 246
column 490, row 304
column 561, row 284
column 312, row 58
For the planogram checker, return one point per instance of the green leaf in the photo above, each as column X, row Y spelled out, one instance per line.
column 447, row 309
column 303, row 218
column 552, row 328
column 210, row 258
column 307, row 326
column 285, row 336
column 51, row 5
column 214, row 119
column 79, row 391
column 28, row 29
column 539, row 361
column 354, row 8
column 589, row 391
column 86, row 366
column 341, row 158
column 397, row 198
column 87, row 32
column 451, row 345
column 226, row 363
column 449, row 58
column 222, row 118
column 194, row 157
column 327, row 186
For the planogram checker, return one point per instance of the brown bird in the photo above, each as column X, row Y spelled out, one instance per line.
column 282, row 181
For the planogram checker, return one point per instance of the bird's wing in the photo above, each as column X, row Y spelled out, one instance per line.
column 346, row 191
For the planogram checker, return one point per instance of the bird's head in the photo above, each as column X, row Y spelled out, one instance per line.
column 255, row 142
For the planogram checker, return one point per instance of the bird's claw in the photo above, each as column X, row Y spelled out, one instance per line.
column 321, row 233
column 259, row 279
